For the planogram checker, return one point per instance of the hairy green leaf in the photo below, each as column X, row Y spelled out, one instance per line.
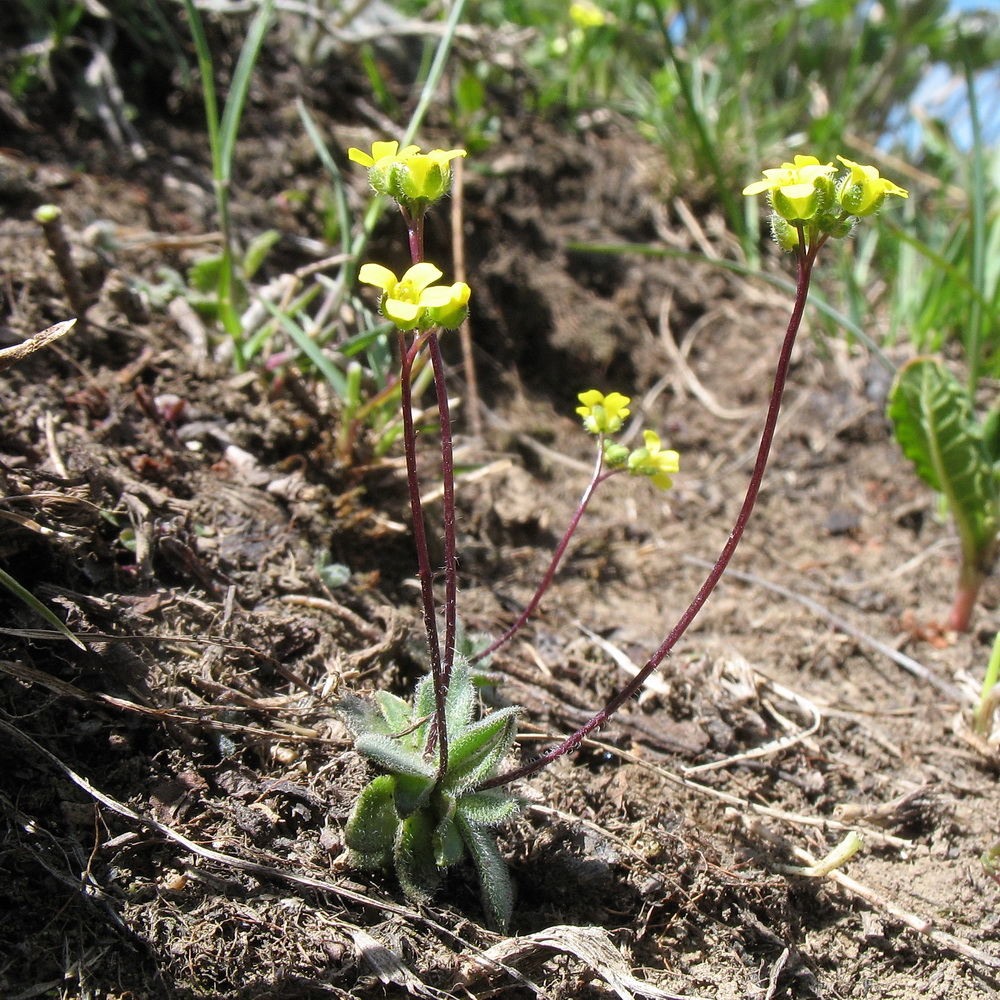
column 371, row 827
column 395, row 711
column 360, row 716
column 412, row 793
column 488, row 808
column 392, row 756
column 476, row 753
column 498, row 894
column 423, row 708
column 418, row 873
column 449, row 848
column 460, row 699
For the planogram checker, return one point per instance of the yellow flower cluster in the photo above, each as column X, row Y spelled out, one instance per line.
column 604, row 415
column 807, row 194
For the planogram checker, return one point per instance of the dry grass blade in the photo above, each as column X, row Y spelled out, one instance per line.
column 589, row 944
column 11, row 355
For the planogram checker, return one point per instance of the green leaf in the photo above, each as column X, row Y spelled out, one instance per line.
column 371, row 828
column 395, row 711
column 257, row 251
column 413, row 792
column 360, row 716
column 418, row 873
column 449, row 848
column 391, row 756
column 488, row 808
column 937, row 430
column 460, row 700
column 203, row 274
column 36, row 605
column 474, row 754
column 424, row 707
column 498, row 894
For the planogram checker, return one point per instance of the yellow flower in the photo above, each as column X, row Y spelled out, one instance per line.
column 862, row 191
column 585, row 14
column 380, row 151
column 603, row 414
column 410, row 301
column 423, row 177
column 654, row 462
column 797, row 190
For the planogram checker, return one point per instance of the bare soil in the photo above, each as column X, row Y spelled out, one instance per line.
column 173, row 796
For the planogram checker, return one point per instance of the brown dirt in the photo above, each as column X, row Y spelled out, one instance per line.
column 204, row 700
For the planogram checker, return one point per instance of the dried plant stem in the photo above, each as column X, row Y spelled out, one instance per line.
column 49, row 217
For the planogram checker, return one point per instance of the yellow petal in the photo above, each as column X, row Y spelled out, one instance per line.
column 423, row 274
column 377, row 275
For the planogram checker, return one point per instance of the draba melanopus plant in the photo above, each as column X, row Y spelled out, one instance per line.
column 441, row 788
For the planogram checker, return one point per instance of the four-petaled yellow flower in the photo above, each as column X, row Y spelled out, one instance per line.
column 412, row 178
column 797, row 190
column 380, row 151
column 654, row 461
column 424, row 177
column 412, row 301
column 862, row 191
column 603, row 414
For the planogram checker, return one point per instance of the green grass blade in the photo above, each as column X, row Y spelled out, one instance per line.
column 25, row 595
column 310, row 349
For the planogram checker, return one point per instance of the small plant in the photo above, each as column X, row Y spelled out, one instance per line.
column 439, row 795
column 957, row 455
column 425, row 813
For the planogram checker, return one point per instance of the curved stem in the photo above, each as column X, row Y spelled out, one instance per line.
column 595, row 480
column 805, row 260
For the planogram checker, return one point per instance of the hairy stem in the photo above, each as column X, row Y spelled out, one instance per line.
column 805, row 260
column 423, row 554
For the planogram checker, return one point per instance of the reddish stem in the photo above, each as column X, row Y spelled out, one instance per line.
column 595, row 480
column 805, row 261
column 425, row 573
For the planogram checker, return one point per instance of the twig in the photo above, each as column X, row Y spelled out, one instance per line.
column 775, row 746
column 11, row 355
column 843, row 625
column 49, row 217
column 911, row 920
column 255, row 868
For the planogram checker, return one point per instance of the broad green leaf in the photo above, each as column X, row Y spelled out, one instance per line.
column 488, row 808
column 391, row 756
column 937, row 430
column 371, row 827
column 360, row 716
column 498, row 894
column 414, row 856
column 474, row 754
